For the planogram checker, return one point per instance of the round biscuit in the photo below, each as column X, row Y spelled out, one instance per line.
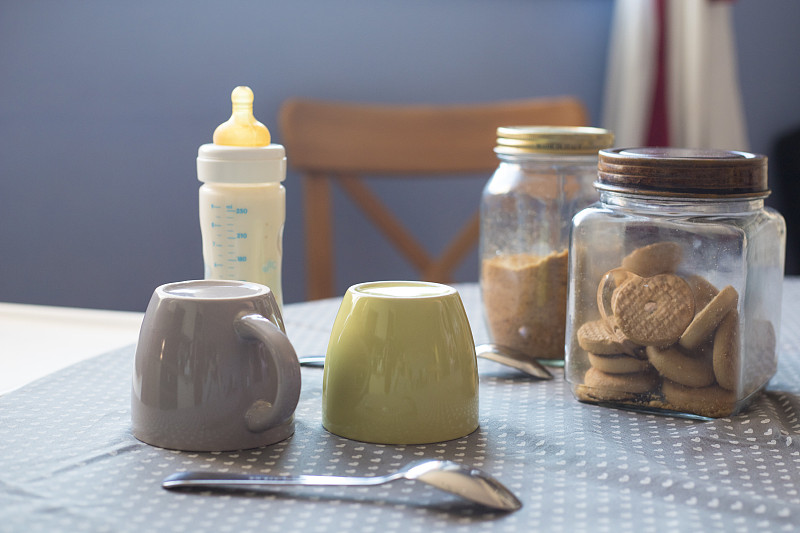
column 711, row 402
column 726, row 351
column 677, row 366
column 608, row 284
column 761, row 340
column 618, row 363
column 598, row 337
column 760, row 363
column 703, row 290
column 706, row 321
column 620, row 384
column 588, row 394
column 606, row 289
column 628, row 346
column 653, row 311
column 657, row 258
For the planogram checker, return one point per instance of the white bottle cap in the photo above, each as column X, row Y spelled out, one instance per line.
column 237, row 164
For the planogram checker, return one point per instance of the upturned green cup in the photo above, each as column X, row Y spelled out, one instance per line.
column 400, row 366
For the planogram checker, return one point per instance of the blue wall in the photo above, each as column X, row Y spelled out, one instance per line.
column 103, row 105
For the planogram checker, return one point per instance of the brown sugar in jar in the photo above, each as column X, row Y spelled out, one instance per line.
column 525, row 297
column 544, row 177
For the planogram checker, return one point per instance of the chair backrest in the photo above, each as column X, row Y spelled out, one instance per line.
column 336, row 141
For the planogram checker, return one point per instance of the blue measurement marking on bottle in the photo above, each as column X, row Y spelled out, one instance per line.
column 228, row 232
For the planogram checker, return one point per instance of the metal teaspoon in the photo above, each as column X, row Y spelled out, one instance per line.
column 468, row 483
column 494, row 352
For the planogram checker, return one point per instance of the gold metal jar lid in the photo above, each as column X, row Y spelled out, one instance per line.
column 564, row 140
column 682, row 172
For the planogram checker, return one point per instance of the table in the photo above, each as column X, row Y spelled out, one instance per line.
column 37, row 340
column 68, row 461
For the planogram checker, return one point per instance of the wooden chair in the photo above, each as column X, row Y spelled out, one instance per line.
column 342, row 142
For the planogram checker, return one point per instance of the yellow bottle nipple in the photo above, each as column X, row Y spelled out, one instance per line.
column 242, row 129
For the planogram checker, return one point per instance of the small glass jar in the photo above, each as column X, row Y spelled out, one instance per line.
column 544, row 177
column 675, row 283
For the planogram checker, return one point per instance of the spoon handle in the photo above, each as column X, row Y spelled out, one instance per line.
column 227, row 480
column 485, row 351
column 312, row 360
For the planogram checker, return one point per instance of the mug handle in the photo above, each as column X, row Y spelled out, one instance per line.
column 262, row 415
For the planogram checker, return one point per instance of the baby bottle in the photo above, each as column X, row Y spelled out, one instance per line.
column 242, row 199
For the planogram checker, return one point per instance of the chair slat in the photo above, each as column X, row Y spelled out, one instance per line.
column 340, row 142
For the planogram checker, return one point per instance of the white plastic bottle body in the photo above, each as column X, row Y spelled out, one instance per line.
column 242, row 232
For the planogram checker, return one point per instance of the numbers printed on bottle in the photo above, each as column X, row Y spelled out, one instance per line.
column 241, row 210
column 241, row 235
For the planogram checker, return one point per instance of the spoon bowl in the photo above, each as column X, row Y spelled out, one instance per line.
column 469, row 483
column 505, row 355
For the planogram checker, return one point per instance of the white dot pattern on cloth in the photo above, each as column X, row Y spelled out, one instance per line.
column 68, row 461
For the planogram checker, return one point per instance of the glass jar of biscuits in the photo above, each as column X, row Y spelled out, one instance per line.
column 544, row 177
column 675, row 283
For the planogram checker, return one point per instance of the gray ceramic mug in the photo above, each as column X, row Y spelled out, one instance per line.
column 213, row 370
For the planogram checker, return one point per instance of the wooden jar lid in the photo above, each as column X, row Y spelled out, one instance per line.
column 682, row 172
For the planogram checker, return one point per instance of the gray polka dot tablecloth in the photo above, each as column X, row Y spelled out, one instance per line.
column 68, row 460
